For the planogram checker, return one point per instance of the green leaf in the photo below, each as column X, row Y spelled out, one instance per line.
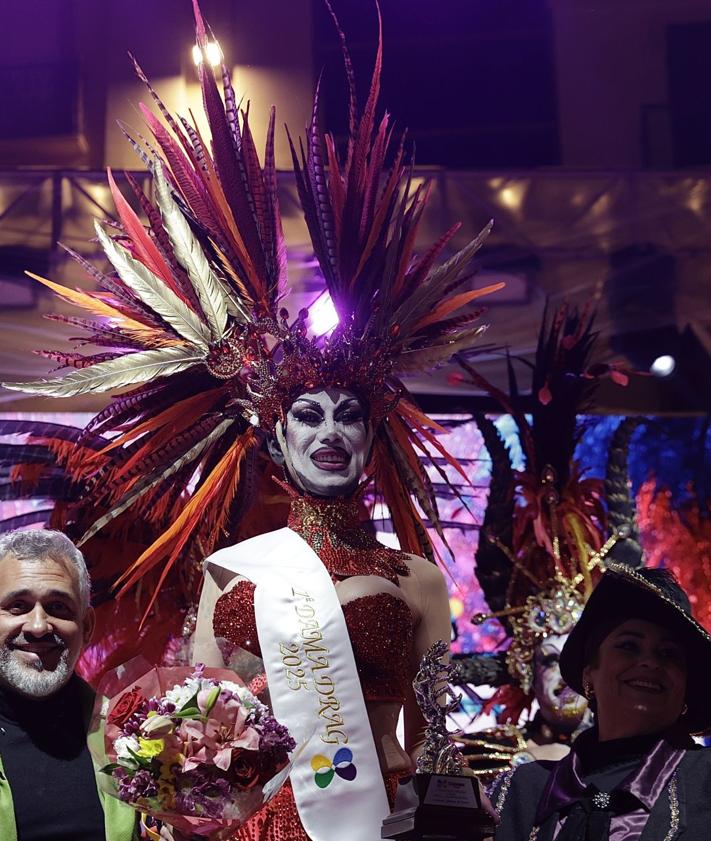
column 191, row 702
column 189, row 712
column 110, row 768
column 141, row 760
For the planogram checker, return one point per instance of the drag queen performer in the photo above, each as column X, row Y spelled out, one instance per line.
column 394, row 605
column 208, row 368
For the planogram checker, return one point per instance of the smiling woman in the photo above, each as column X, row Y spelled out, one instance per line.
column 637, row 678
column 642, row 661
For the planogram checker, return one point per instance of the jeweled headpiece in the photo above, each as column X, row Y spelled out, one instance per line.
column 202, row 357
column 556, row 596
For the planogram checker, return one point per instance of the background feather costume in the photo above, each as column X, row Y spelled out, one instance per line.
column 547, row 529
column 201, row 358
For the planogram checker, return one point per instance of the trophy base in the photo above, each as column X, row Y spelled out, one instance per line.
column 435, row 807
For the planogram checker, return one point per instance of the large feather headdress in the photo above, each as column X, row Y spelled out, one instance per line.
column 545, row 535
column 201, row 357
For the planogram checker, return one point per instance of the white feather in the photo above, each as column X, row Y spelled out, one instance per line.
column 129, row 369
column 154, row 292
column 191, row 257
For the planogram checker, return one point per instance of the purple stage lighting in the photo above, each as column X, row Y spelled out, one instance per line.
column 323, row 315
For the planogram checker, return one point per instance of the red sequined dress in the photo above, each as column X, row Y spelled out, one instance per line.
column 380, row 627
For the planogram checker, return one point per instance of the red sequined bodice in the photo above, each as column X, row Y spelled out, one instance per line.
column 380, row 625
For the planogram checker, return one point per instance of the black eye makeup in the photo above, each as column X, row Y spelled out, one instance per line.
column 549, row 660
column 350, row 414
column 306, row 414
column 313, row 414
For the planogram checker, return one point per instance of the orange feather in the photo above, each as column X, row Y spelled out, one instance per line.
column 396, row 499
column 456, row 302
column 179, row 423
column 381, row 213
column 411, row 413
column 212, row 184
column 189, row 409
column 223, row 479
column 420, row 199
column 95, row 304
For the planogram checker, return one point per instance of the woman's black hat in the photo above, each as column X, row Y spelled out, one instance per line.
column 625, row 593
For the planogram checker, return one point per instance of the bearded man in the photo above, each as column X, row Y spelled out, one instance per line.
column 48, row 787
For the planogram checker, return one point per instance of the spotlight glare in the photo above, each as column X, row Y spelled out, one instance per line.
column 663, row 366
column 212, row 52
column 323, row 315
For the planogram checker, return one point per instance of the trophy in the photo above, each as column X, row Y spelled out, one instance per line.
column 438, row 803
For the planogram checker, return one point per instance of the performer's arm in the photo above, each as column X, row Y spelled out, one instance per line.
column 434, row 624
column 205, row 648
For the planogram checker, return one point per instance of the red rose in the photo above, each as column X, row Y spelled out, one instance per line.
column 245, row 768
column 125, row 707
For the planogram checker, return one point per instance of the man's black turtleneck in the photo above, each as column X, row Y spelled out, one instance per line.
column 48, row 766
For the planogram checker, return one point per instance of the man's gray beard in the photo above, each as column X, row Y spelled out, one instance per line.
column 34, row 682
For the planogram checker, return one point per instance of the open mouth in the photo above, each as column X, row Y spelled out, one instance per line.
column 331, row 459
column 652, row 687
column 566, row 695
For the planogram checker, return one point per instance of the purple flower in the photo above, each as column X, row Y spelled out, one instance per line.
column 133, row 787
column 275, row 739
column 132, row 726
column 202, row 792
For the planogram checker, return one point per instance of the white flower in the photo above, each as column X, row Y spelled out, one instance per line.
column 250, row 701
column 156, row 726
column 123, row 755
column 238, row 690
column 180, row 695
column 206, row 683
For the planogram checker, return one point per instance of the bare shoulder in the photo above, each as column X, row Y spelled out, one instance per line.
column 425, row 586
column 424, row 573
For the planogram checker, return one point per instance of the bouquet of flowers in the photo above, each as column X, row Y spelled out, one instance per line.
column 192, row 747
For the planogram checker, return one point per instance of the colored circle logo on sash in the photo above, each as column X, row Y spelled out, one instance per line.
column 326, row 769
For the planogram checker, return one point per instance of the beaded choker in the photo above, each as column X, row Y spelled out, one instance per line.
column 333, row 528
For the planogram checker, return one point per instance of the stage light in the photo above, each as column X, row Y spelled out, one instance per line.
column 323, row 315
column 212, row 52
column 663, row 366
column 511, row 196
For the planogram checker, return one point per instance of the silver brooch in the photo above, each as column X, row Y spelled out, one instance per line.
column 602, row 800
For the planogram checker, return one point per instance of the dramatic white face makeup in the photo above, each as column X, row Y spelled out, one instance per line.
column 560, row 706
column 326, row 442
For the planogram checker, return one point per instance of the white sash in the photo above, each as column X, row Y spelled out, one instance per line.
column 314, row 686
